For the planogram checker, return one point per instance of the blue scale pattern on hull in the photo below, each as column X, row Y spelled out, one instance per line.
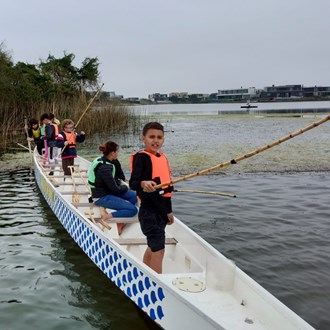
column 147, row 294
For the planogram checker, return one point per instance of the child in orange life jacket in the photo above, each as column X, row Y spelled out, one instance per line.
column 67, row 139
column 50, row 134
column 149, row 168
column 34, row 135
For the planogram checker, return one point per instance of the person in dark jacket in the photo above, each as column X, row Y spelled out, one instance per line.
column 51, row 132
column 107, row 189
column 150, row 168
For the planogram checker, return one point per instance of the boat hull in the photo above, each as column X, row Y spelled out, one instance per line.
column 220, row 302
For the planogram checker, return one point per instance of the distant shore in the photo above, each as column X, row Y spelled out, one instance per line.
column 304, row 99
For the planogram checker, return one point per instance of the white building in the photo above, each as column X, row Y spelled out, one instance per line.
column 238, row 94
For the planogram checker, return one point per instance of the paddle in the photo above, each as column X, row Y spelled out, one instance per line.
column 205, row 192
column 83, row 114
column 21, row 145
column 75, row 196
column 89, row 104
column 103, row 211
column 247, row 155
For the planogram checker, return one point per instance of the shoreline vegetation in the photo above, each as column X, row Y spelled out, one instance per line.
column 56, row 86
column 128, row 138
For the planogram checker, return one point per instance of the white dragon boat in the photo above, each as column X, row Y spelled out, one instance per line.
column 199, row 289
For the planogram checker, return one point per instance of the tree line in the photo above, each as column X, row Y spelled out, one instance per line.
column 48, row 81
column 52, row 85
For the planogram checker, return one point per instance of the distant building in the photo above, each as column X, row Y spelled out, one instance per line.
column 282, row 92
column 317, row 91
column 287, row 92
column 179, row 95
column 158, row 97
column 240, row 94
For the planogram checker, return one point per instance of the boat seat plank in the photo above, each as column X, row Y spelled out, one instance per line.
column 57, row 165
column 67, row 177
column 142, row 241
column 120, row 220
column 51, row 165
column 84, row 205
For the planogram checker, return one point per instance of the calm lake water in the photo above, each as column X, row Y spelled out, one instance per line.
column 218, row 108
column 277, row 229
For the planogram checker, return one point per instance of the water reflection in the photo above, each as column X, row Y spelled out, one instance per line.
column 276, row 229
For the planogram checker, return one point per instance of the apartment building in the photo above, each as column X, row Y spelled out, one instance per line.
column 240, row 94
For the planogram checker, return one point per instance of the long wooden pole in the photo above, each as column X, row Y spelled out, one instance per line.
column 205, row 192
column 247, row 155
column 83, row 114
column 24, row 147
column 88, row 105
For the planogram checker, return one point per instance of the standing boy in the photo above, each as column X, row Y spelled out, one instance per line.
column 149, row 168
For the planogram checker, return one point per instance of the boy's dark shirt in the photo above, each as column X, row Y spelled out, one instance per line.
column 142, row 171
column 50, row 135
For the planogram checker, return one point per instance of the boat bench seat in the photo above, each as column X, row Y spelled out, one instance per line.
column 56, row 165
column 142, row 241
column 62, row 176
column 110, row 221
column 120, row 220
column 84, row 205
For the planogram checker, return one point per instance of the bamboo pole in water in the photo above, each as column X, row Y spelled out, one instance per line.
column 247, row 155
column 205, row 192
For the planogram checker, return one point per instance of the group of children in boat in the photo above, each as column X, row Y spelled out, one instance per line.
column 49, row 139
column 149, row 168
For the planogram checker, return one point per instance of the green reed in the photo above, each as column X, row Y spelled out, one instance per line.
column 110, row 117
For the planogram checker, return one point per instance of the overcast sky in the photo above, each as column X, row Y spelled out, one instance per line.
column 194, row 46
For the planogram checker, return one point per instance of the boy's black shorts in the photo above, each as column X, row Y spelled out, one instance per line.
column 153, row 227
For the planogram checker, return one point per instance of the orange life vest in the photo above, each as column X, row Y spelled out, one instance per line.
column 56, row 129
column 161, row 171
column 71, row 137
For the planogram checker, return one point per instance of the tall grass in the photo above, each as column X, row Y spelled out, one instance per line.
column 102, row 117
